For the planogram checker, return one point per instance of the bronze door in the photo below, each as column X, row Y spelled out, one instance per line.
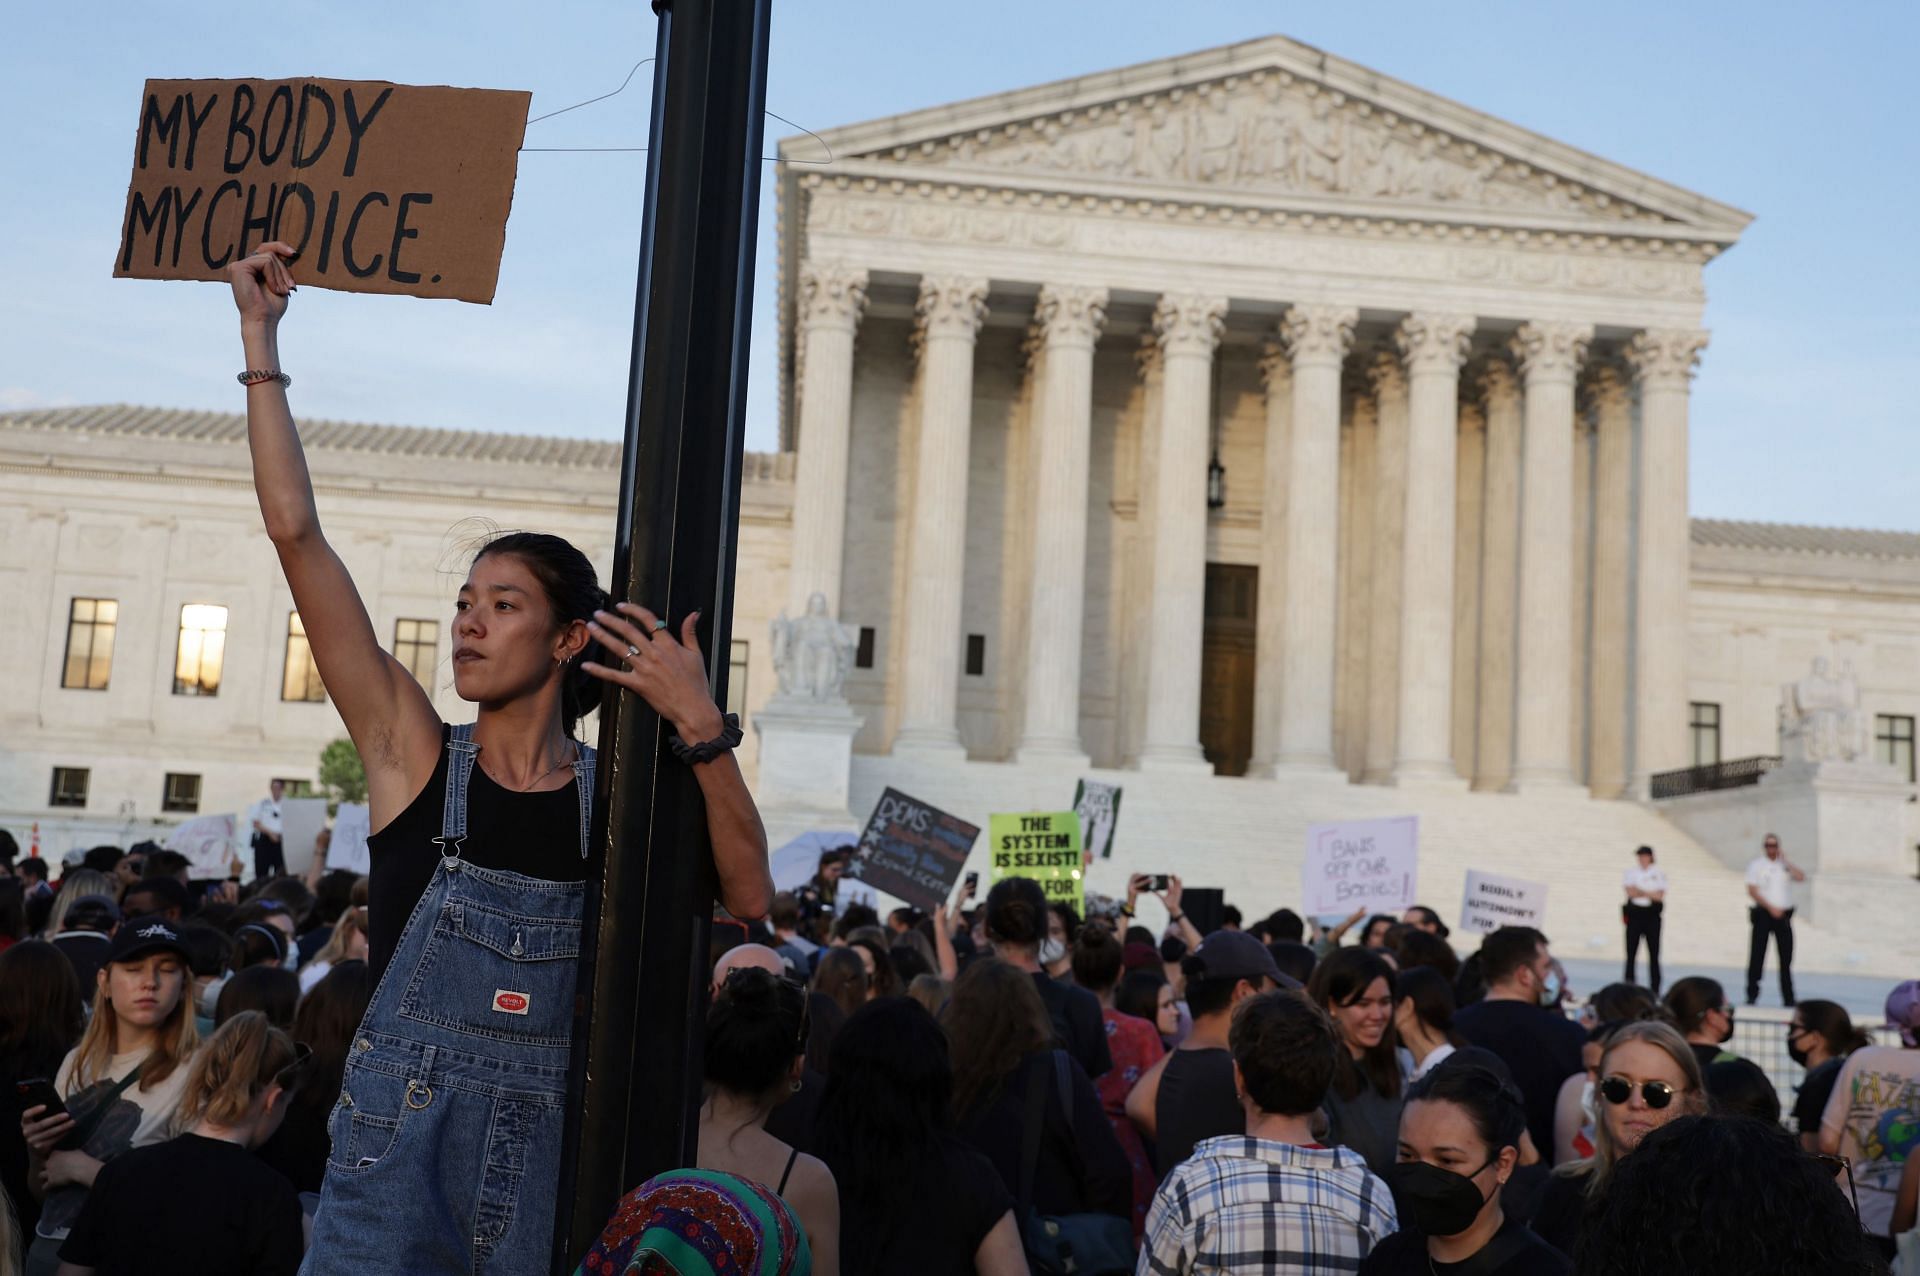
column 1227, row 661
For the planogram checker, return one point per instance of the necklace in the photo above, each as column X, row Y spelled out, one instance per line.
column 536, row 779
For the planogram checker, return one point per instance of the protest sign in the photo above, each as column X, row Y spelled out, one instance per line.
column 301, row 820
column 1043, row 845
column 912, row 850
column 348, row 849
column 1493, row 901
column 208, row 843
column 1370, row 864
column 380, row 187
column 1098, row 806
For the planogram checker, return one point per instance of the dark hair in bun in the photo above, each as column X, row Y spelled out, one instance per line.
column 573, row 592
column 1017, row 911
column 756, row 1028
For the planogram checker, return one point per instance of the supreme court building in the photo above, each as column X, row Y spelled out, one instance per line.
column 1249, row 412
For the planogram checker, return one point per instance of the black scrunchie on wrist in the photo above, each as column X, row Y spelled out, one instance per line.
column 694, row 754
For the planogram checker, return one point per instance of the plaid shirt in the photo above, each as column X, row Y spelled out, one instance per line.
column 1251, row 1207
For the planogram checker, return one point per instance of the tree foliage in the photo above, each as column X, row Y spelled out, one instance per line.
column 342, row 776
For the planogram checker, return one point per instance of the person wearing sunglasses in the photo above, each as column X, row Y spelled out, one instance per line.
column 756, row 1049
column 1648, row 1077
column 202, row 1202
column 1700, row 1010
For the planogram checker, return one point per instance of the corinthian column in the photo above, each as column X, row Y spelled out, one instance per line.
column 1317, row 337
column 950, row 311
column 1434, row 346
column 1499, row 576
column 1663, row 362
column 1189, row 328
column 1276, row 373
column 1612, row 576
column 1549, row 356
column 1468, row 526
column 832, row 295
column 1070, row 319
column 1389, row 550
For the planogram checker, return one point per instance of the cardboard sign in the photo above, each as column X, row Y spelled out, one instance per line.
column 912, row 850
column 1043, row 845
column 1098, row 806
column 208, row 843
column 1370, row 864
column 348, row 849
column 1493, row 901
column 301, row 821
column 381, row 187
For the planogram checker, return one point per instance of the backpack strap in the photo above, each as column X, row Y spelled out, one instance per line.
column 1063, row 1084
column 1030, row 1137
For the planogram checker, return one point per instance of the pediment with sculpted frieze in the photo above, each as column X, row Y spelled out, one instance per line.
column 1272, row 133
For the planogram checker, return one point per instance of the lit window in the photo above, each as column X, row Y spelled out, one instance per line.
column 90, row 626
column 302, row 678
column 1893, row 738
column 737, row 679
column 416, row 645
column 69, row 786
column 1704, row 722
column 202, row 652
column 182, row 793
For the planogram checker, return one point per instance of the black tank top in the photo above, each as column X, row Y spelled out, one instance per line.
column 532, row 834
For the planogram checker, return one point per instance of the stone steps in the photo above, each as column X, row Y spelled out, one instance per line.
column 1248, row 836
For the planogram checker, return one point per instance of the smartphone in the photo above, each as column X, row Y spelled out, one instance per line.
column 39, row 1092
column 973, row 883
column 1158, row 881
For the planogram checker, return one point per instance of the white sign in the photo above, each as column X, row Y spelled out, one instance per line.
column 301, row 823
column 1494, row 901
column 1370, row 864
column 348, row 849
column 1098, row 806
column 208, row 844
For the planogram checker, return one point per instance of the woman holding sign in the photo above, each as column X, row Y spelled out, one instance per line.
column 446, row 1137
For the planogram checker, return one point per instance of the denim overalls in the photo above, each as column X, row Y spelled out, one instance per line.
column 446, row 1135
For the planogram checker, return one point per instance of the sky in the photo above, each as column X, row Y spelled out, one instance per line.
column 1802, row 411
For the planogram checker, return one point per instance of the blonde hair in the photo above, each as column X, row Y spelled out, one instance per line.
column 352, row 922
column 179, row 1037
column 1690, row 1101
column 73, row 884
column 229, row 1074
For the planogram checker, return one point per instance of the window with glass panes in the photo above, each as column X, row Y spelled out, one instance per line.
column 737, row 679
column 90, row 627
column 416, row 644
column 301, row 681
column 181, row 793
column 1704, row 723
column 202, row 652
column 1893, row 740
column 69, row 786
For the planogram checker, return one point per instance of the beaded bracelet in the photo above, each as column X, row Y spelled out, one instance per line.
column 259, row 376
column 694, row 754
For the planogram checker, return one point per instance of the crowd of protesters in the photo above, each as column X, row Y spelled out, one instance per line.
column 1002, row 1088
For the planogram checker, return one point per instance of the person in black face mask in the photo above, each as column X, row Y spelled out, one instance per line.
column 1460, row 1138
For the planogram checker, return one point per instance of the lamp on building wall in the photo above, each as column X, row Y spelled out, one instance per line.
column 1216, row 472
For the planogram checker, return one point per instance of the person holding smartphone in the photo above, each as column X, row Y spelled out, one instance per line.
column 119, row 1087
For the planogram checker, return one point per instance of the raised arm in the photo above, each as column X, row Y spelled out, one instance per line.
column 388, row 714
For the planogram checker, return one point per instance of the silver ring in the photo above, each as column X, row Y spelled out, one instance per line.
column 632, row 651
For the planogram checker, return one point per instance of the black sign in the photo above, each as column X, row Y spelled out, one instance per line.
column 912, row 850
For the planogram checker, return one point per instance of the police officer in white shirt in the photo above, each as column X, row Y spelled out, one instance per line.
column 1770, row 879
column 1646, row 887
column 269, row 856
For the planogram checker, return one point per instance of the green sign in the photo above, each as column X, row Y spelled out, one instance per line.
column 1043, row 845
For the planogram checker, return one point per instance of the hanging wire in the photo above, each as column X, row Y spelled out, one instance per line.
column 641, row 150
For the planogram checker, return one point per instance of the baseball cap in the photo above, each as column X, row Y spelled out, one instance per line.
column 1234, row 954
column 1903, row 1011
column 139, row 936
